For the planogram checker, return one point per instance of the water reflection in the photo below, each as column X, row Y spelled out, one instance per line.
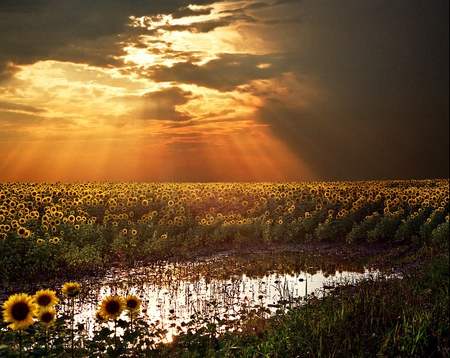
column 172, row 293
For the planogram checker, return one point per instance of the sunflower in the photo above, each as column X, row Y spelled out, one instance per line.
column 99, row 318
column 55, row 240
column 45, row 298
column 21, row 231
column 71, row 289
column 47, row 316
column 19, row 310
column 112, row 307
column 132, row 303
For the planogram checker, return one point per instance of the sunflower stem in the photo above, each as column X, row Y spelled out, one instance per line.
column 20, row 343
column 72, row 304
column 47, row 338
column 115, row 334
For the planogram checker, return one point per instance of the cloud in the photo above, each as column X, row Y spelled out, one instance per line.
column 199, row 26
column 161, row 105
column 243, row 9
column 81, row 31
column 358, row 90
column 20, row 107
column 16, row 127
column 188, row 11
column 27, row 6
column 225, row 73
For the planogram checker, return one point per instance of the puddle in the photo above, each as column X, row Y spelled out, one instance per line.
column 172, row 293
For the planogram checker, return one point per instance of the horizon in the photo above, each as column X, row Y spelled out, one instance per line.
column 221, row 182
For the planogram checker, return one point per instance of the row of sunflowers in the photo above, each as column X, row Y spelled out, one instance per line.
column 20, row 310
column 56, row 334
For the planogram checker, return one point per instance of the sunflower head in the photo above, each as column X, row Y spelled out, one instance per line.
column 45, row 298
column 132, row 303
column 47, row 316
column 99, row 318
column 19, row 310
column 112, row 307
column 71, row 289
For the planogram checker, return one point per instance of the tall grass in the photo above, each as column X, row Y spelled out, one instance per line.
column 406, row 317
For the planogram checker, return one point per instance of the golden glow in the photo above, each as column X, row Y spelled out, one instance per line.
column 86, row 123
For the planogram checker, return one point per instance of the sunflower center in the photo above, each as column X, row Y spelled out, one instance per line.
column 46, row 317
column 20, row 311
column 44, row 300
column 132, row 304
column 112, row 307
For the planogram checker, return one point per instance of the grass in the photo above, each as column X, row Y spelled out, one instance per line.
column 406, row 317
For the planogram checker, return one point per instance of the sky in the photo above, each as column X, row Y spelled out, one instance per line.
column 206, row 90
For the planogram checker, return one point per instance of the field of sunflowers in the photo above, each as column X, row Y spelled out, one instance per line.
column 52, row 234
column 49, row 230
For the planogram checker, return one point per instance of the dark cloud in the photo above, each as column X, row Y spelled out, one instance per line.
column 21, row 6
column 7, row 70
column 78, row 31
column 160, row 105
column 253, row 6
column 282, row 2
column 225, row 73
column 186, row 12
column 198, row 27
column 347, row 145
column 382, row 71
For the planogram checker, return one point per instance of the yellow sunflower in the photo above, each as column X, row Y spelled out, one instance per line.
column 55, row 240
column 45, row 298
column 19, row 310
column 71, row 289
column 47, row 316
column 112, row 307
column 132, row 303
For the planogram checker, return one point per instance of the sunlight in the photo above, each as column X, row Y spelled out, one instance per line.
column 89, row 121
column 140, row 56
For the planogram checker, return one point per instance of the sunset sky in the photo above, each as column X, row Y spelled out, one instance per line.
column 204, row 90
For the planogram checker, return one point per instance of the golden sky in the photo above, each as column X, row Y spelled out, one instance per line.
column 222, row 90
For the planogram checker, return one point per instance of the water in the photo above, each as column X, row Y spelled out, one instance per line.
column 172, row 293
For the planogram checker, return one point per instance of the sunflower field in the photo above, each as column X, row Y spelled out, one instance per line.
column 53, row 229
column 52, row 234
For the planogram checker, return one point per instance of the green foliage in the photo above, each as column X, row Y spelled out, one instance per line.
column 102, row 224
column 385, row 229
column 440, row 237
